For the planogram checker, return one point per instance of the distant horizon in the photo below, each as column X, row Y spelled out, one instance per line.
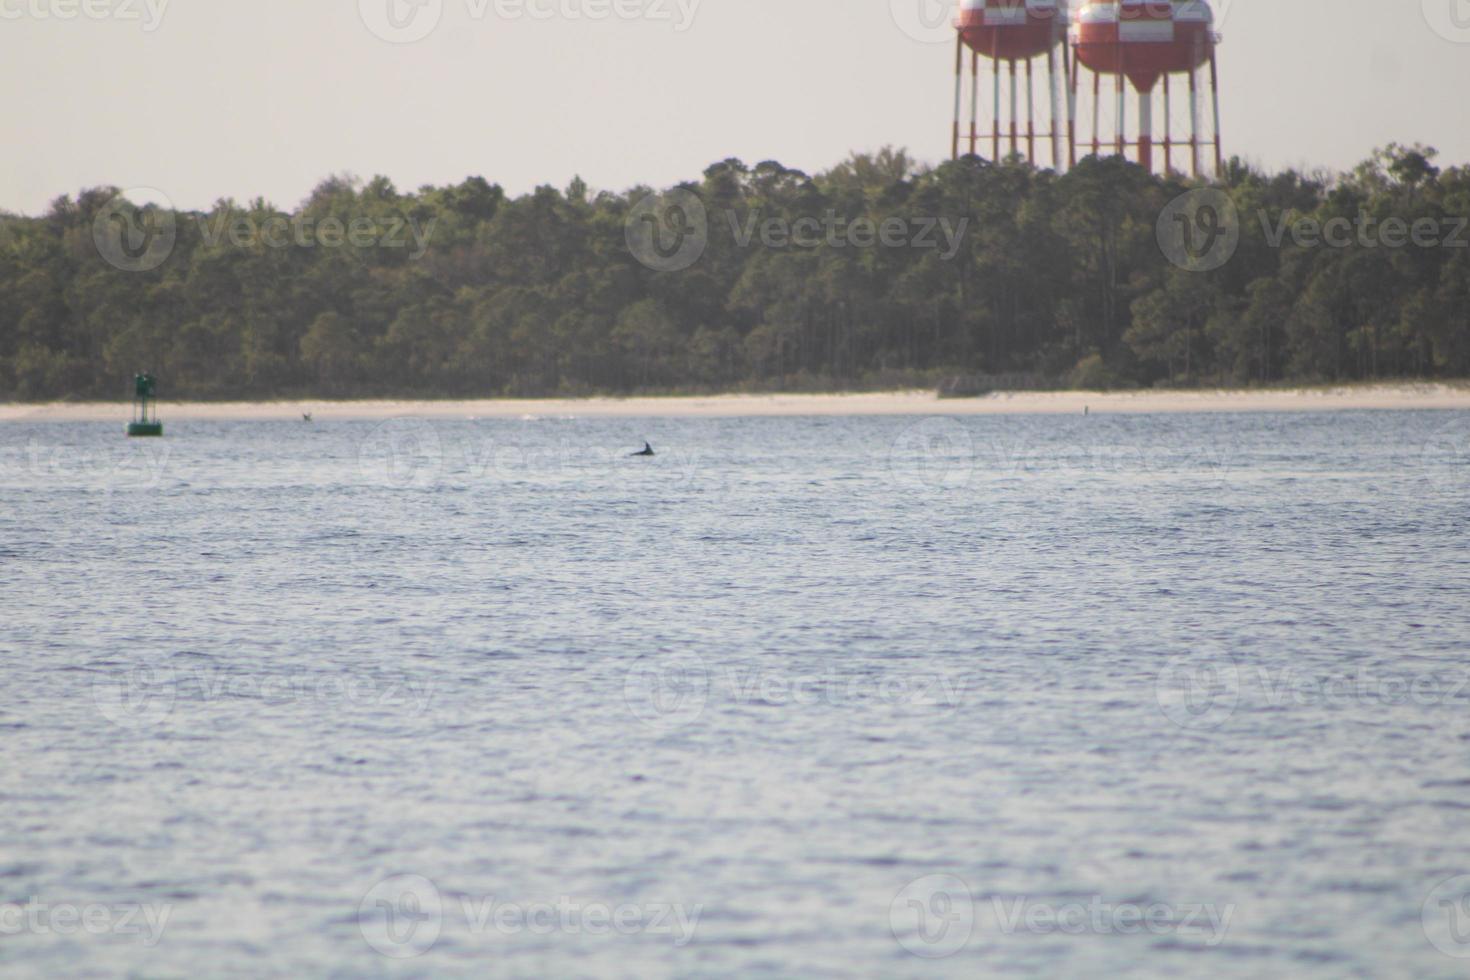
column 362, row 178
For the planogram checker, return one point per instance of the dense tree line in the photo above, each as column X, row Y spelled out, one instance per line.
column 1057, row 279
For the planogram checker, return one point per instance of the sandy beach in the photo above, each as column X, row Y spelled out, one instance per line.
column 1347, row 398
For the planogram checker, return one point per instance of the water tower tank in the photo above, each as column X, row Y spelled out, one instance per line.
column 1012, row 30
column 1144, row 39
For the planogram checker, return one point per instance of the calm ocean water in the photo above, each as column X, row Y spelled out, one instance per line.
column 1172, row 695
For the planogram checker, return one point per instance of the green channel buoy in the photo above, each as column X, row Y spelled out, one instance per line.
column 143, row 423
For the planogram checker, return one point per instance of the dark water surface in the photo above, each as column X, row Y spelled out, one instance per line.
column 1173, row 695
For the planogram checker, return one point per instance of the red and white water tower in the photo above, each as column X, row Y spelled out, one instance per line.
column 1013, row 33
column 1142, row 43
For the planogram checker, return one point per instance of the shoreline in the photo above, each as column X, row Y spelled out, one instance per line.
column 1435, row 396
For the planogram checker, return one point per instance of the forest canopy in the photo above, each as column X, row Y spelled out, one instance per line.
column 876, row 273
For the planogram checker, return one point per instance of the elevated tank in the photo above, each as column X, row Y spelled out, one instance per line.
column 1143, row 39
column 1012, row 30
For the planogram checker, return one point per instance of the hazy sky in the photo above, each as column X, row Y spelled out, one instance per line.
column 210, row 98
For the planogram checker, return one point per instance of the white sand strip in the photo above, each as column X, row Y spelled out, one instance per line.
column 1356, row 397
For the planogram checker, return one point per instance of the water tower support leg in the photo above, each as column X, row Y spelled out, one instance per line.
column 1122, row 119
column 1030, row 117
column 1146, row 130
column 1168, row 132
column 995, row 124
column 1215, row 95
column 1069, row 65
column 974, row 102
column 1015, row 110
column 1096, row 114
column 1056, row 121
column 959, row 79
column 1194, row 122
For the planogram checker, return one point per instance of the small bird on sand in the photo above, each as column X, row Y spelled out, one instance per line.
column 647, row 451
column 306, row 416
